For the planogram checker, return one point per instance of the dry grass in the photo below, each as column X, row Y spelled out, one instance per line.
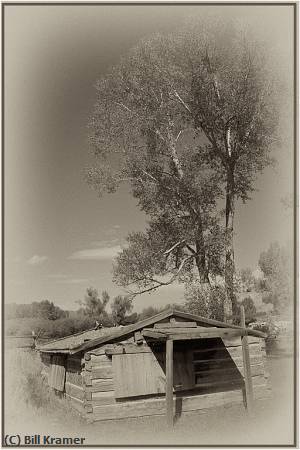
column 28, row 398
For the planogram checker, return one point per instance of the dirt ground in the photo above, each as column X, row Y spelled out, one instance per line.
column 272, row 424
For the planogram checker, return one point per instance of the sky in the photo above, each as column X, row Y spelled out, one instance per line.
column 60, row 237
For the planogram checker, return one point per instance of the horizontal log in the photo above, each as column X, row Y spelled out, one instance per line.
column 74, row 391
column 129, row 348
column 100, row 359
column 256, row 369
column 157, row 406
column 101, row 385
column 233, row 342
column 203, row 332
column 76, row 404
column 176, row 325
column 254, row 349
column 102, row 372
column 103, row 398
column 100, row 351
column 238, row 361
column 233, row 383
column 154, row 334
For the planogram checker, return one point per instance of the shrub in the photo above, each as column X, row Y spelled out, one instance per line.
column 250, row 310
column 206, row 301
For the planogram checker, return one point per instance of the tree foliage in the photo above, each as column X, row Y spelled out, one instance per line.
column 276, row 264
column 120, row 307
column 93, row 305
column 206, row 301
column 39, row 310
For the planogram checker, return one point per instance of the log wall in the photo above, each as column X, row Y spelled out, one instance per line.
column 98, row 383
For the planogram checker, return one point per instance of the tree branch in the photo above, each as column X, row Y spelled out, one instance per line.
column 182, row 102
column 173, row 247
column 162, row 283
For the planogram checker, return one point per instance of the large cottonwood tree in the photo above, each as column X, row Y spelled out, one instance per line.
column 185, row 119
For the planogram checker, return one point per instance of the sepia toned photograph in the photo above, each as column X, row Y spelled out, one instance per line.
column 149, row 239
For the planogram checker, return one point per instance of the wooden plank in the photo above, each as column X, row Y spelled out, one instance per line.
column 257, row 369
column 133, row 348
column 102, row 372
column 156, row 406
column 211, row 333
column 137, row 374
column 115, row 350
column 129, row 348
column 238, row 360
column 57, row 373
column 236, row 342
column 226, row 374
column 253, row 348
column 176, row 325
column 247, row 367
column 169, row 382
column 74, row 391
column 150, row 333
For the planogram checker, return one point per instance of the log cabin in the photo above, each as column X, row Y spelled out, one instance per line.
column 168, row 365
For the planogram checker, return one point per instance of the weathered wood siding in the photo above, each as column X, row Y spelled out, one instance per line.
column 58, row 373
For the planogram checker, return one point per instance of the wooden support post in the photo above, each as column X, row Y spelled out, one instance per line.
column 169, row 382
column 247, row 366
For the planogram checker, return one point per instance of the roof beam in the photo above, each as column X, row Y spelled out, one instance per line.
column 150, row 333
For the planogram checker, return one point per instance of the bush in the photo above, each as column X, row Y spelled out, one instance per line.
column 250, row 310
column 53, row 328
column 206, row 301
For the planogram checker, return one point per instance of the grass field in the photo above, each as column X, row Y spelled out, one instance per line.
column 31, row 408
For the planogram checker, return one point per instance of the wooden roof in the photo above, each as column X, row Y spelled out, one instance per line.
column 88, row 340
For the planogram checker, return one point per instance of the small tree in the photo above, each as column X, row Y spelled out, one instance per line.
column 248, row 279
column 250, row 310
column 148, row 312
column 205, row 301
column 120, row 306
column 93, row 305
column 276, row 264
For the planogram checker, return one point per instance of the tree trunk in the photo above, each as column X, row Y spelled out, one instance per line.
column 201, row 257
column 231, row 309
